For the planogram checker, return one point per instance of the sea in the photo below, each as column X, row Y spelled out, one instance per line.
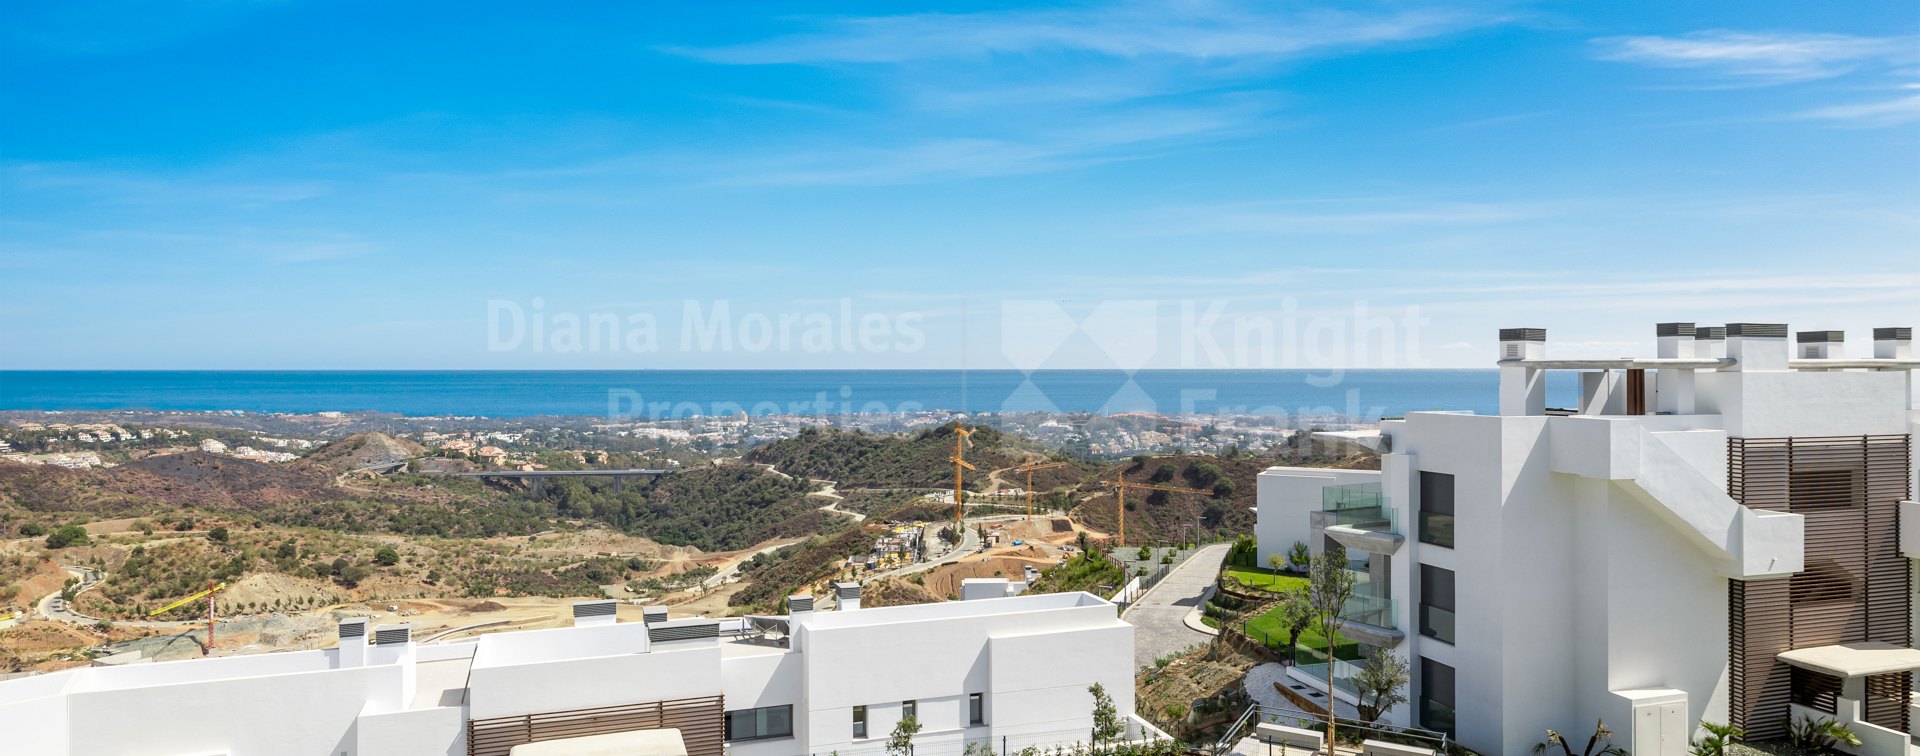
column 1351, row 395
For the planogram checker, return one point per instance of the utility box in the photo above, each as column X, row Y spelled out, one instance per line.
column 1659, row 725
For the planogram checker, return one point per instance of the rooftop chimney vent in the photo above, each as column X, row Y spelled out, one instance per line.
column 799, row 604
column 652, row 614
column 1893, row 343
column 1757, row 330
column 587, row 613
column 1673, row 329
column 681, row 630
column 1710, row 333
column 393, row 635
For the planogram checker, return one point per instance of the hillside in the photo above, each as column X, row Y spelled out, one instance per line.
column 855, row 459
column 362, row 451
column 716, row 508
column 1162, row 516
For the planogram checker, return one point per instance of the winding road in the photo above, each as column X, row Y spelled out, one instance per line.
column 1159, row 617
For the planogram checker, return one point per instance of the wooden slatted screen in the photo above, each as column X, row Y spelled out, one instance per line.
column 1856, row 585
column 1887, row 700
column 701, row 722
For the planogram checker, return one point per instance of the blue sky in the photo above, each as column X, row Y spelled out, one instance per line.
column 346, row 185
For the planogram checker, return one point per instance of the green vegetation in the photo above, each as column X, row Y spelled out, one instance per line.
column 855, row 459
column 817, row 559
column 1254, row 577
column 711, row 508
column 1087, row 570
column 68, row 535
column 1270, row 628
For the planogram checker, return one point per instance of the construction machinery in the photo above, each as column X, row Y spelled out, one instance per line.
column 212, row 588
column 1028, row 469
column 1121, row 486
column 960, row 466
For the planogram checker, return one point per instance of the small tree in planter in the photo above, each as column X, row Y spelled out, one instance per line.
column 1382, row 679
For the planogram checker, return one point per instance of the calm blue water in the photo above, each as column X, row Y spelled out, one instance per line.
column 1364, row 394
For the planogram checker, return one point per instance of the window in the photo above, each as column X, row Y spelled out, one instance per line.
column 909, row 709
column 1436, row 603
column 760, row 724
column 1436, row 508
column 1436, row 696
column 859, row 721
column 976, row 709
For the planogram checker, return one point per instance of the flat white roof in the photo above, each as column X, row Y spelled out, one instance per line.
column 1033, row 602
column 1854, row 659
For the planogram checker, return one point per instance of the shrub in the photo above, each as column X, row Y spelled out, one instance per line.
column 33, row 529
column 68, row 535
column 386, row 556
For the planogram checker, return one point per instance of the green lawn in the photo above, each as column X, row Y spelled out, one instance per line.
column 1267, row 627
column 1266, row 579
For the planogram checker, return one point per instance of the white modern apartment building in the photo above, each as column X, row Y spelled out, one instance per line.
column 1009, row 672
column 1724, row 532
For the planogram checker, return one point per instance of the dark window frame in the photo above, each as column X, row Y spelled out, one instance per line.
column 1437, row 678
column 1438, row 591
column 731, row 738
column 910, row 708
column 859, row 721
column 1436, row 504
column 976, row 709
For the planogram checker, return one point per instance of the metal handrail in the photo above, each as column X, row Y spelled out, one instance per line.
column 1256, row 711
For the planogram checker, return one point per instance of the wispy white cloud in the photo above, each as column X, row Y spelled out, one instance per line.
column 1196, row 30
column 1881, row 113
column 1359, row 215
column 1762, row 57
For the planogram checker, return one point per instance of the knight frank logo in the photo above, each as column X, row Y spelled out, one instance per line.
column 1033, row 331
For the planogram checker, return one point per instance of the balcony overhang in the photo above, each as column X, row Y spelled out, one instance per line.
column 1370, row 634
column 1360, row 537
column 1854, row 659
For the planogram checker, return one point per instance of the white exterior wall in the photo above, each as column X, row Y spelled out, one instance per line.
column 1033, row 658
column 1578, row 586
column 752, row 682
column 896, row 662
column 307, row 712
column 1284, row 496
column 659, row 675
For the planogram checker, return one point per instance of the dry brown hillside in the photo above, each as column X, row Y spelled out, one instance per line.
column 362, row 450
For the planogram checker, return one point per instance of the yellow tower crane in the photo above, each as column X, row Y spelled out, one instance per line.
column 960, row 466
column 207, row 594
column 1120, row 491
column 1028, row 469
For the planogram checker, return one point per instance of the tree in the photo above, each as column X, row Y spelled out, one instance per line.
column 68, row 535
column 1274, row 561
column 1383, row 678
column 1602, row 740
column 1329, row 587
column 386, row 556
column 900, row 743
column 218, row 534
column 1299, row 556
column 32, row 529
column 1107, row 727
column 1296, row 614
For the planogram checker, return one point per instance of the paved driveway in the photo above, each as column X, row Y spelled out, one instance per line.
column 1159, row 617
